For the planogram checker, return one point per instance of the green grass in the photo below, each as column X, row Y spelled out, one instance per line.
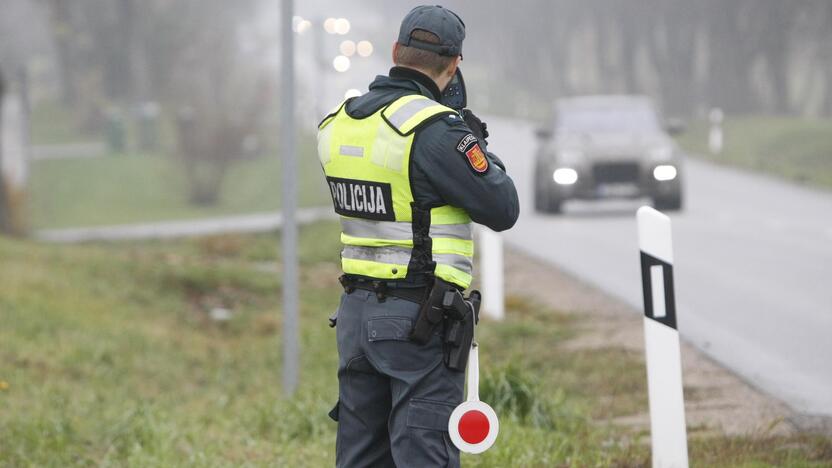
column 796, row 149
column 53, row 123
column 108, row 357
column 131, row 188
column 137, row 188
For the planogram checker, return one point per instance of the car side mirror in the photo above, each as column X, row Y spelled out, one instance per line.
column 675, row 127
column 543, row 133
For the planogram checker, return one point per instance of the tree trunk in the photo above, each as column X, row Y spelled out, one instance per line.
column 61, row 32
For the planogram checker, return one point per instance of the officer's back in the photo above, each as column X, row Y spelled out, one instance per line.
column 409, row 176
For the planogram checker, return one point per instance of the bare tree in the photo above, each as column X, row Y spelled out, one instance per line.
column 184, row 53
column 221, row 93
column 736, row 54
column 12, row 193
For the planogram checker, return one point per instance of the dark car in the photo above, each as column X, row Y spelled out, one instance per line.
column 602, row 147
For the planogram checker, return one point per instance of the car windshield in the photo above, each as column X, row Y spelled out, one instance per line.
column 607, row 119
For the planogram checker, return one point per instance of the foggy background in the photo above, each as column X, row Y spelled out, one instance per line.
column 142, row 119
column 744, row 55
column 193, row 83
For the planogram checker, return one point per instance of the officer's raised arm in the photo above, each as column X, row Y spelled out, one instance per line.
column 458, row 167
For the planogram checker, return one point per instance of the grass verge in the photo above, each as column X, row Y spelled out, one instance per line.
column 796, row 149
column 123, row 189
column 109, row 356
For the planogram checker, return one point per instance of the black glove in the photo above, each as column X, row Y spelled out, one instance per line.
column 477, row 126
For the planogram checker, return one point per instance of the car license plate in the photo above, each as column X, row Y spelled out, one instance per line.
column 617, row 190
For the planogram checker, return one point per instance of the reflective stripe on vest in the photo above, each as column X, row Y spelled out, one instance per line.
column 408, row 112
column 401, row 257
column 367, row 165
column 357, row 227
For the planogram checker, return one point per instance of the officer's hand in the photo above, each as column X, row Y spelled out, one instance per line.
column 477, row 126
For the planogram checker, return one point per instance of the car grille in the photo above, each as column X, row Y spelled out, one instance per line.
column 615, row 172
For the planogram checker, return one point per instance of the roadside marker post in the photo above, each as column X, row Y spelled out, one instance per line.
column 491, row 253
column 668, row 431
column 291, row 299
column 473, row 425
column 715, row 138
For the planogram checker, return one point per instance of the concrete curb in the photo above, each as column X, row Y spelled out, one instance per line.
column 241, row 224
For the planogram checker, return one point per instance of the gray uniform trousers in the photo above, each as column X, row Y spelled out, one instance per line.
column 395, row 396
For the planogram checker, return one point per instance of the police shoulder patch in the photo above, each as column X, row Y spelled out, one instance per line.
column 469, row 147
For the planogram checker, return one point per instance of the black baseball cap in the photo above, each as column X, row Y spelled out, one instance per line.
column 446, row 24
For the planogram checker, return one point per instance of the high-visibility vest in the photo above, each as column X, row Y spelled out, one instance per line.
column 367, row 167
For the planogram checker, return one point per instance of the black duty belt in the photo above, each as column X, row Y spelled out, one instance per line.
column 383, row 289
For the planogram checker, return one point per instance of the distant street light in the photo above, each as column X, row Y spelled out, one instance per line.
column 329, row 25
column 365, row 48
column 352, row 93
column 341, row 63
column 342, row 26
column 300, row 25
column 347, row 48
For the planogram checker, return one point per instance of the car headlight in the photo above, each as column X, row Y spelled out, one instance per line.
column 664, row 172
column 565, row 176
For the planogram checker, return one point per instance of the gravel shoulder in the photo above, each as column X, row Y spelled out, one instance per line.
column 716, row 400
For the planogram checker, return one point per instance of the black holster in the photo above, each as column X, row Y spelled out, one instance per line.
column 445, row 305
column 461, row 317
column 431, row 313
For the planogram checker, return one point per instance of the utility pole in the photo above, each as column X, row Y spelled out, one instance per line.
column 4, row 224
column 318, row 41
column 290, row 230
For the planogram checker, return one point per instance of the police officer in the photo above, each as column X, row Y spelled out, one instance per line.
column 408, row 176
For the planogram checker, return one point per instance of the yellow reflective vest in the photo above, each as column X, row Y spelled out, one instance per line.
column 385, row 235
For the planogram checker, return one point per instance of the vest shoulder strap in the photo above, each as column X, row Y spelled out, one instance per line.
column 326, row 120
column 409, row 112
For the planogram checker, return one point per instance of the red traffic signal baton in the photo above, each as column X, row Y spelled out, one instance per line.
column 473, row 425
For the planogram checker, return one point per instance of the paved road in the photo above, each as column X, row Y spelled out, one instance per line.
column 753, row 266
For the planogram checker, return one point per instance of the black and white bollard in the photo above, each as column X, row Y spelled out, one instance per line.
column 715, row 136
column 491, row 263
column 668, row 431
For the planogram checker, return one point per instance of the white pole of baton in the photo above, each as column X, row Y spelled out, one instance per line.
column 474, row 373
column 491, row 252
column 661, row 342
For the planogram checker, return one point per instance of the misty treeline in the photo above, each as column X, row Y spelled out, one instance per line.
column 118, row 57
column 745, row 56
